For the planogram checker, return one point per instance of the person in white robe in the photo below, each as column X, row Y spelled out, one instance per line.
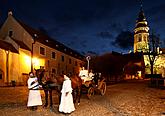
column 66, row 103
column 34, row 98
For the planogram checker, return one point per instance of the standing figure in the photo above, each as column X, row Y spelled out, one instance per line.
column 34, row 98
column 96, row 78
column 91, row 75
column 83, row 74
column 66, row 104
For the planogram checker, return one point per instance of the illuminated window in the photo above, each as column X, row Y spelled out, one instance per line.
column 70, row 61
column 42, row 51
column 139, row 39
column 144, row 38
column 62, row 58
column 53, row 55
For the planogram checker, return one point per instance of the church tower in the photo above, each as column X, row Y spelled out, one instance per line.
column 141, row 33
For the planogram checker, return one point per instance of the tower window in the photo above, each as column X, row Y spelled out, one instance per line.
column 139, row 39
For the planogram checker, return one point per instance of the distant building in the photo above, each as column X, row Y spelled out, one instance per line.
column 141, row 44
column 23, row 49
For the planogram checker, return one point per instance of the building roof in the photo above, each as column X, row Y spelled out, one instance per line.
column 7, row 46
column 48, row 41
column 141, row 16
column 136, row 57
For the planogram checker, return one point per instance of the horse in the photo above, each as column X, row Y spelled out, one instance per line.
column 56, row 84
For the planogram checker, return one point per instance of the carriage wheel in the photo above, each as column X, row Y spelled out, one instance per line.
column 103, row 88
column 90, row 92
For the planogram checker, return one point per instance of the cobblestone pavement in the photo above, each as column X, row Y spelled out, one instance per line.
column 133, row 98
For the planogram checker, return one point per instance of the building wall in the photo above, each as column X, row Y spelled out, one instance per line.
column 56, row 63
column 19, row 65
column 2, row 66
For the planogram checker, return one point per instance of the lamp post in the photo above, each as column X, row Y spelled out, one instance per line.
column 34, row 40
column 88, row 59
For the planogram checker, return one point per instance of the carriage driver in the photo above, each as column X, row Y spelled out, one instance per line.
column 91, row 75
column 83, row 74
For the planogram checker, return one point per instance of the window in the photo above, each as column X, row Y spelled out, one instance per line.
column 42, row 51
column 70, row 61
column 53, row 55
column 10, row 33
column 62, row 58
column 140, row 38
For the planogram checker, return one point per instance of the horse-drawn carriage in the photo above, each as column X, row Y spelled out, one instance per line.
column 92, row 83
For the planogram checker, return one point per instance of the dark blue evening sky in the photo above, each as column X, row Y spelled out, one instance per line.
column 86, row 25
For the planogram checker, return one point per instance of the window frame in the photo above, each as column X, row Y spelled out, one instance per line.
column 44, row 50
column 54, row 55
column 62, row 58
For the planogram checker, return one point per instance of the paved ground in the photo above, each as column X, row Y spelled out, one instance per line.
column 124, row 99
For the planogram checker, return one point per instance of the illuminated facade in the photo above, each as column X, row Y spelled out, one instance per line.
column 141, row 34
column 141, row 44
column 23, row 49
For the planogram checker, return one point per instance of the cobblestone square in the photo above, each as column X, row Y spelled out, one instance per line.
column 131, row 98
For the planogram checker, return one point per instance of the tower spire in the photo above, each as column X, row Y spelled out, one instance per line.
column 141, row 5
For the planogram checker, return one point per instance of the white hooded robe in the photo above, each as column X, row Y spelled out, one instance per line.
column 66, row 104
column 34, row 98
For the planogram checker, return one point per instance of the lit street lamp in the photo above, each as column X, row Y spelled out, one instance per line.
column 88, row 59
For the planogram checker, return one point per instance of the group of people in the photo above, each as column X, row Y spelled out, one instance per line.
column 34, row 98
column 88, row 76
column 85, row 75
column 66, row 102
